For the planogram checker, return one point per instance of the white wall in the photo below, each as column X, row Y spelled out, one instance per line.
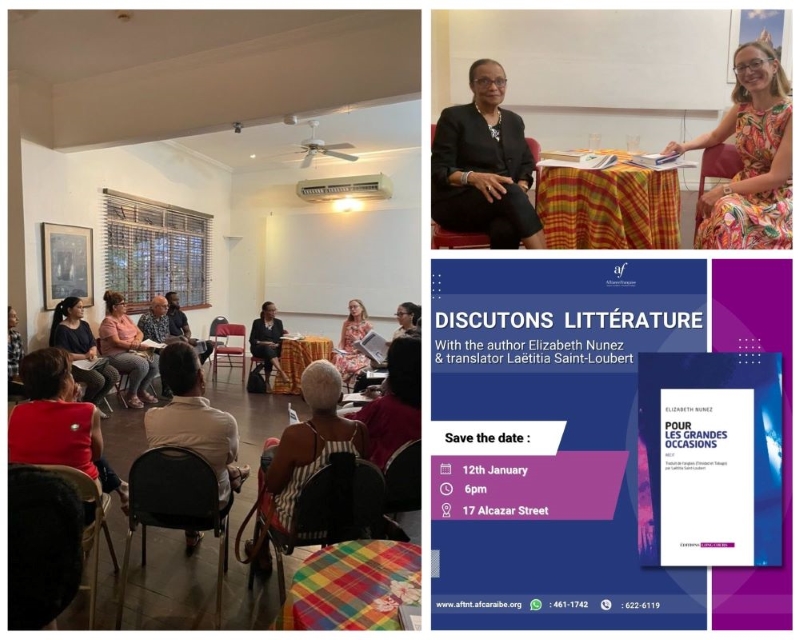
column 372, row 254
column 67, row 189
column 563, row 93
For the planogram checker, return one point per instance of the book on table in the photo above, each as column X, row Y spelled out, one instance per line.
column 88, row 365
column 590, row 162
column 373, row 346
column 567, row 156
column 677, row 163
column 654, row 159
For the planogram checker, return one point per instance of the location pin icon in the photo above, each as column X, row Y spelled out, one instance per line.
column 446, row 510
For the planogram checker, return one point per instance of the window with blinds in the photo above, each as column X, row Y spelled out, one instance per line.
column 152, row 248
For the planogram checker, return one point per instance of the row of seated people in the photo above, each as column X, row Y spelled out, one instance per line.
column 53, row 429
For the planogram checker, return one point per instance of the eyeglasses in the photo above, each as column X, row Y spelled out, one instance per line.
column 401, row 314
column 485, row 83
column 753, row 65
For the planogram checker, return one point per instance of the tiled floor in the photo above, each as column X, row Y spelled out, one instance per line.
column 173, row 591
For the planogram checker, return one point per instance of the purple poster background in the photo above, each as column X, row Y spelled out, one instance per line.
column 752, row 299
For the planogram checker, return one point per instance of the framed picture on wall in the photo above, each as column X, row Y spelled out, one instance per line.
column 772, row 26
column 68, row 264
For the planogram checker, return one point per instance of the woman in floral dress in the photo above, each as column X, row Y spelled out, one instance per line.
column 354, row 328
column 754, row 211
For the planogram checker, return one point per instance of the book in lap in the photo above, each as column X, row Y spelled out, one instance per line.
column 88, row 365
column 710, row 459
column 373, row 346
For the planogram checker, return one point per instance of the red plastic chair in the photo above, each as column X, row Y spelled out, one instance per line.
column 441, row 237
column 719, row 161
column 235, row 354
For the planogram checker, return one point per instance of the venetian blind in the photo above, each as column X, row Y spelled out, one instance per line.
column 152, row 248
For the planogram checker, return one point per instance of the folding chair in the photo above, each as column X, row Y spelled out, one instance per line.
column 89, row 491
column 404, row 479
column 234, row 353
column 175, row 488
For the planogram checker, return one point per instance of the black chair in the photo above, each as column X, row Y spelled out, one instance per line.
column 404, row 479
column 323, row 517
column 175, row 488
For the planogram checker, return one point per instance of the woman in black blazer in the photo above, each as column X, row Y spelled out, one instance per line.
column 265, row 339
column 482, row 166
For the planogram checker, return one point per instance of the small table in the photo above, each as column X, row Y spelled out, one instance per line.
column 356, row 585
column 623, row 207
column 296, row 355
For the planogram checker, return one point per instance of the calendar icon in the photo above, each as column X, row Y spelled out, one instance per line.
column 445, row 469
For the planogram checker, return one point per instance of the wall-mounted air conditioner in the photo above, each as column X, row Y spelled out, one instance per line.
column 374, row 187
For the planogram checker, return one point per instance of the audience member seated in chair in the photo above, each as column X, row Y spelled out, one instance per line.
column 121, row 342
column 154, row 325
column 73, row 334
column 15, row 354
column 189, row 421
column 396, row 417
column 179, row 326
column 482, row 166
column 265, row 339
column 356, row 327
column 304, row 448
column 45, row 553
column 52, row 429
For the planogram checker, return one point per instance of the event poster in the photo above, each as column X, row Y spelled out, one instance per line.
column 535, row 441
column 711, row 451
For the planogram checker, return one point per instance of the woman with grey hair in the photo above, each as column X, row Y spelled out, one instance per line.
column 303, row 449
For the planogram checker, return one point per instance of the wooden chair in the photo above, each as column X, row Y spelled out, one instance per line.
column 235, row 354
column 719, row 161
column 175, row 488
column 89, row 491
column 444, row 238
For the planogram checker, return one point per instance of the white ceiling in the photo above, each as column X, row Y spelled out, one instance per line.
column 372, row 130
column 64, row 46
column 164, row 74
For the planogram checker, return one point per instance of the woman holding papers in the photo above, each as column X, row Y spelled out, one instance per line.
column 73, row 334
column 347, row 360
column 265, row 339
column 482, row 166
column 121, row 342
column 754, row 211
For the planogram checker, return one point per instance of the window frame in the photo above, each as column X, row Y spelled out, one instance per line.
column 170, row 243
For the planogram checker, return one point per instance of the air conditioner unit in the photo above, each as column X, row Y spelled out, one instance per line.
column 374, row 187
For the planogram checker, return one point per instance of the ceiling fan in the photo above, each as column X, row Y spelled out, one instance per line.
column 313, row 146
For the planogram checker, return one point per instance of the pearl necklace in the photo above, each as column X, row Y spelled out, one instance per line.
column 494, row 130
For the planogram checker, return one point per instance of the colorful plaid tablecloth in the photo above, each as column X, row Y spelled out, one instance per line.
column 296, row 355
column 355, row 585
column 623, row 207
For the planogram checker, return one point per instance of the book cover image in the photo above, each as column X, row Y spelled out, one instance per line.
column 710, row 459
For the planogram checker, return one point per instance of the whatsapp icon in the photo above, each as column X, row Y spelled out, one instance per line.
column 536, row 604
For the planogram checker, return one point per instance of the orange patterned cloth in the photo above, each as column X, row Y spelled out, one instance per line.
column 296, row 355
column 354, row 585
column 623, row 207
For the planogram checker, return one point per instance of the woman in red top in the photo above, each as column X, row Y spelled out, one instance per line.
column 51, row 429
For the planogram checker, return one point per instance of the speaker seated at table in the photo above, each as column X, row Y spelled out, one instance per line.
column 265, row 341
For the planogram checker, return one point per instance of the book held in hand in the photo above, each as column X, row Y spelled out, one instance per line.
column 151, row 344
column 373, row 346
column 410, row 617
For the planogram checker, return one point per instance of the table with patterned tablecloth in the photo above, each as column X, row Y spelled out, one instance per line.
column 622, row 207
column 296, row 355
column 355, row 585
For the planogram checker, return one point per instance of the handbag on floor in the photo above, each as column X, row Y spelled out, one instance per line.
column 256, row 382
